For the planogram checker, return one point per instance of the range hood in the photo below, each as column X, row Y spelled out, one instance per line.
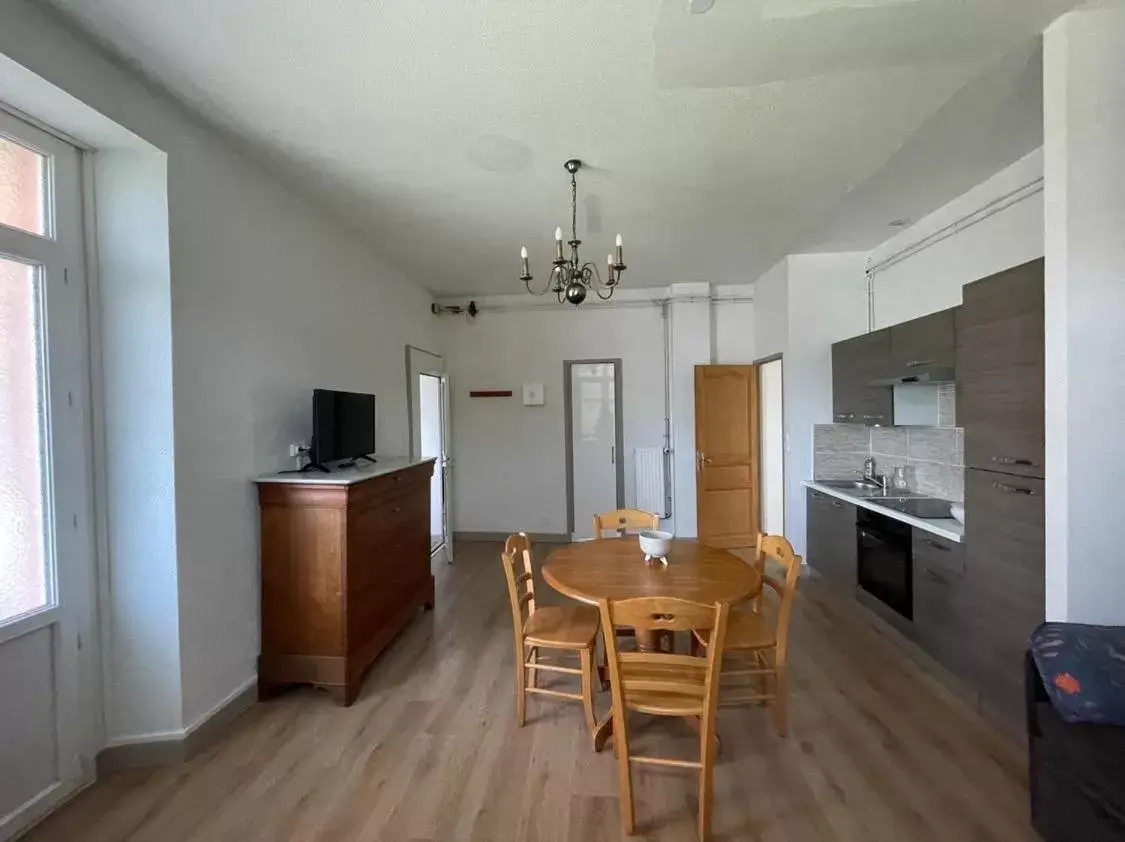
column 922, row 374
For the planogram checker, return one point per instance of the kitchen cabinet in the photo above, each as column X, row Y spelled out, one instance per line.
column 855, row 363
column 1000, row 371
column 832, row 540
column 928, row 342
column 1005, row 570
column 941, row 601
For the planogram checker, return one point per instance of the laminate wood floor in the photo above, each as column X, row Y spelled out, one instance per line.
column 877, row 751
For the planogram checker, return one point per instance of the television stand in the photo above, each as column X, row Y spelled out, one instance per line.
column 313, row 466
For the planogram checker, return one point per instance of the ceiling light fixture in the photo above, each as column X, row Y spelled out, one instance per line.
column 699, row 7
column 570, row 278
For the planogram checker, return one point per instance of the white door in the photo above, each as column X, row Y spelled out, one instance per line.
column 431, row 398
column 446, row 463
column 593, row 439
column 771, row 425
column 49, row 692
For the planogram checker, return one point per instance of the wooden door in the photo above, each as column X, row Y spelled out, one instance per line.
column 726, row 450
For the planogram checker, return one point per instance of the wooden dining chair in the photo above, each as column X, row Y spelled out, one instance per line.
column 758, row 646
column 568, row 628
column 621, row 522
column 624, row 521
column 664, row 684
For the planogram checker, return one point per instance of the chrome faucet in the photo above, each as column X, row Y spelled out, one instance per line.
column 869, row 474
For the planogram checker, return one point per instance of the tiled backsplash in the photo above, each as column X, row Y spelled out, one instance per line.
column 934, row 457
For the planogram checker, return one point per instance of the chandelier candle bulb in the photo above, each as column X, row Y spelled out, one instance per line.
column 558, row 243
column 523, row 257
column 619, row 243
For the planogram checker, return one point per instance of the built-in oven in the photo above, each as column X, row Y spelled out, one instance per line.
column 885, row 566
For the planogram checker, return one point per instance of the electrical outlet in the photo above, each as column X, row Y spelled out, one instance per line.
column 295, row 449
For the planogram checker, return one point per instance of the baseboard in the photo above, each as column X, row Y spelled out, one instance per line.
column 179, row 747
column 492, row 537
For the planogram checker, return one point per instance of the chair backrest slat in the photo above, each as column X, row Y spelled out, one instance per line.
column 777, row 549
column 623, row 521
column 516, row 560
column 686, row 676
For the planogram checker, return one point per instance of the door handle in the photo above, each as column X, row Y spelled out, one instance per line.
column 1012, row 460
column 919, row 363
column 613, row 454
column 1013, row 489
column 702, row 460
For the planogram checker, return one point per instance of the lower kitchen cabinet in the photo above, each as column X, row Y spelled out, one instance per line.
column 832, row 540
column 941, row 601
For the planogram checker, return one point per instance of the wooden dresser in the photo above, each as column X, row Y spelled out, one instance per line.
column 345, row 565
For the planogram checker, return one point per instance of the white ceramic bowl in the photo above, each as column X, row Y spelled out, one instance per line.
column 655, row 544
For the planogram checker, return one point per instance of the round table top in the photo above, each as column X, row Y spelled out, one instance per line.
column 614, row 568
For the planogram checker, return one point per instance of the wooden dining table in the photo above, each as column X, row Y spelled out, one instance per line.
column 615, row 568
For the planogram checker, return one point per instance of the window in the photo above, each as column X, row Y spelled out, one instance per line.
column 23, row 560
column 23, row 188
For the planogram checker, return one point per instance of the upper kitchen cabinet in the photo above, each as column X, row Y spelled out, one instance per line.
column 1000, row 371
column 924, row 346
column 855, row 364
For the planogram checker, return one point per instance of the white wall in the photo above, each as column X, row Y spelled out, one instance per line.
column 511, row 460
column 931, row 279
column 1084, row 110
column 269, row 299
column 827, row 302
column 510, row 463
column 771, row 311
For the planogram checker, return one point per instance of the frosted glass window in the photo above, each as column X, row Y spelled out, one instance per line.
column 23, row 559
column 23, row 187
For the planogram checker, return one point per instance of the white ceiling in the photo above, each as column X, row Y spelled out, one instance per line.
column 715, row 143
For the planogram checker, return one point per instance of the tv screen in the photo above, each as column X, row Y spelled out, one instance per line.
column 343, row 425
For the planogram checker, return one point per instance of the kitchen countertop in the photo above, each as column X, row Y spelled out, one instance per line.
column 347, row 476
column 947, row 528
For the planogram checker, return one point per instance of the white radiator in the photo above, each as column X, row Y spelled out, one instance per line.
column 651, row 487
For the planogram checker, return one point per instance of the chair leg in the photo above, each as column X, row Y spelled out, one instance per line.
column 708, row 749
column 587, row 656
column 781, row 700
column 533, row 658
column 625, row 784
column 521, row 679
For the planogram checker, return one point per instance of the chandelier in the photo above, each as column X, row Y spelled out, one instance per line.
column 570, row 278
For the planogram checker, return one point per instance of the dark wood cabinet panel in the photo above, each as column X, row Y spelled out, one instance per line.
column 343, row 569
column 1000, row 371
column 855, row 363
column 937, row 552
column 1005, row 570
column 941, row 615
column 831, row 540
column 925, row 342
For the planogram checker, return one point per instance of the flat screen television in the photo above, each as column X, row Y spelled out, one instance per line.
column 343, row 426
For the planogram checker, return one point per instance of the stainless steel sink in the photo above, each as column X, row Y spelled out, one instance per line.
column 849, row 485
column 907, row 502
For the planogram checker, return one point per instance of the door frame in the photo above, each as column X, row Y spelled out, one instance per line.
column 779, row 357
column 70, row 418
column 416, row 366
column 568, row 431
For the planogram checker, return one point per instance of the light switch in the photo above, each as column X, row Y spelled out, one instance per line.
column 533, row 394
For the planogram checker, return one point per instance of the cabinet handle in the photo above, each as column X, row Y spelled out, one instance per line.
column 933, row 576
column 1013, row 489
column 1012, row 460
column 873, row 417
column 919, row 363
column 398, row 509
column 929, row 542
